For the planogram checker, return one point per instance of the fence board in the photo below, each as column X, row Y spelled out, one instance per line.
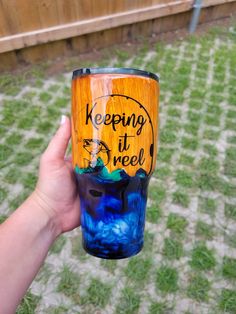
column 207, row 3
column 45, row 29
column 88, row 26
column 19, row 16
column 4, row 29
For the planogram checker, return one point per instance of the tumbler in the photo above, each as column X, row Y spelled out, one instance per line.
column 114, row 146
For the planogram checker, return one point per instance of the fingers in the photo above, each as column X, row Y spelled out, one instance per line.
column 57, row 147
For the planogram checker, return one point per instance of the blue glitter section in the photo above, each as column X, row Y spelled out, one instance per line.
column 113, row 210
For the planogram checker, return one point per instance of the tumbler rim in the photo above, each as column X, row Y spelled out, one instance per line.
column 130, row 71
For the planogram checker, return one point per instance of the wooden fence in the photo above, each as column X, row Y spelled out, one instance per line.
column 28, row 26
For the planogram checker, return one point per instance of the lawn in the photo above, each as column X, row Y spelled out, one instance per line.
column 188, row 264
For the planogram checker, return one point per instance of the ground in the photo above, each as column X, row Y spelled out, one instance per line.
column 188, row 264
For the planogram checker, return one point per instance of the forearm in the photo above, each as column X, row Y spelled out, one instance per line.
column 25, row 238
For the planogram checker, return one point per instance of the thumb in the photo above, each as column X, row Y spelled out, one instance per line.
column 56, row 149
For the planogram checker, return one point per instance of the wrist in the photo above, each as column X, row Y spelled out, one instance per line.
column 45, row 213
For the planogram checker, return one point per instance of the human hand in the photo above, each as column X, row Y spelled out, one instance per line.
column 56, row 190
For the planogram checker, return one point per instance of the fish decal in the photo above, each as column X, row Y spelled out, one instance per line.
column 96, row 148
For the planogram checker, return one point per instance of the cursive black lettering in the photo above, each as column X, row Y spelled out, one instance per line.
column 115, row 119
column 98, row 119
column 116, row 160
column 123, row 142
column 130, row 160
column 89, row 115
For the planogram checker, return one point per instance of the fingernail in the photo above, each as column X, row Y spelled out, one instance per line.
column 63, row 119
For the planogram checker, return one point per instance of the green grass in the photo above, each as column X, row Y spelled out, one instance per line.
column 198, row 288
column 194, row 117
column 176, row 223
column 198, row 93
column 158, row 308
column 13, row 139
column 129, row 302
column 227, row 302
column 162, row 172
column 15, row 105
column 211, row 150
column 53, row 112
column 174, row 112
column 5, row 153
column 44, row 127
column 191, row 128
column 208, row 165
column 230, row 168
column 185, row 159
column 157, row 193
column 230, row 239
column 230, row 211
column 98, row 293
column 69, row 282
column 176, row 99
column 195, row 104
column 45, row 97
column 8, row 119
column 23, row 158
column 44, row 274
column 207, row 205
column 227, row 188
column 214, row 109
column 204, row 230
column 167, row 137
column 208, row 182
column 189, row 143
column 77, row 249
column 173, row 249
column 58, row 245
column 230, row 125
column 58, row 310
column 29, row 95
column 165, row 155
column 153, row 213
column 25, row 123
column 29, row 180
column 61, row 103
column 110, row 265
column 28, row 304
column 181, row 198
column 2, row 218
column 230, row 162
column 167, row 279
column 148, row 242
column 229, row 268
column 54, row 88
column 232, row 139
column 172, row 125
column 185, row 179
column 212, row 120
column 34, row 143
column 202, row 258
column 138, row 269
column 3, row 194
column 211, row 135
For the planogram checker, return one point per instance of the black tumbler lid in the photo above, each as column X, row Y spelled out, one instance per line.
column 131, row 71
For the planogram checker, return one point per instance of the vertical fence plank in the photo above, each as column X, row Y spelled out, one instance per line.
column 4, row 27
column 67, row 11
column 11, row 16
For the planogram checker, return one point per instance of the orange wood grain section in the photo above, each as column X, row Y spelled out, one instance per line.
column 125, row 124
